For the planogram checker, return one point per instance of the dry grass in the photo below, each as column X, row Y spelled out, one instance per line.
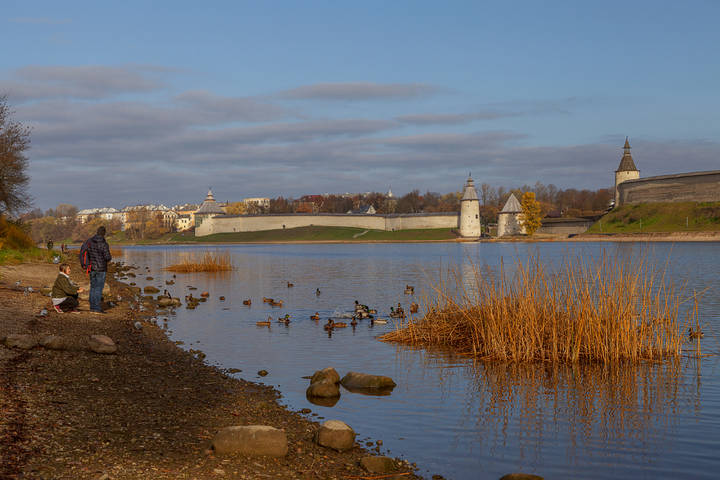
column 588, row 310
column 208, row 263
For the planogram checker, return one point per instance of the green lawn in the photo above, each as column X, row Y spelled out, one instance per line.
column 661, row 217
column 12, row 256
column 321, row 234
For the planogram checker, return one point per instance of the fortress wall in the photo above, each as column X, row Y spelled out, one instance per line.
column 562, row 226
column 253, row 223
column 409, row 222
column 683, row 187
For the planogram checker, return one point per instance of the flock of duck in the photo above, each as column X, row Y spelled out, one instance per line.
column 361, row 312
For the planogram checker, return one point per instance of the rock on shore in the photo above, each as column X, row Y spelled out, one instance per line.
column 336, row 435
column 364, row 380
column 252, row 440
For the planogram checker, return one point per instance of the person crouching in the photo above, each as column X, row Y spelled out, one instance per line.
column 64, row 291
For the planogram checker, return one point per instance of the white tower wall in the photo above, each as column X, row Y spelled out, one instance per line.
column 470, row 211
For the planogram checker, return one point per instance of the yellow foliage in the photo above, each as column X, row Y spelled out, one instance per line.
column 531, row 217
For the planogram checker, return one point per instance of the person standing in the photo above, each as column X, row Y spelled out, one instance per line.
column 98, row 252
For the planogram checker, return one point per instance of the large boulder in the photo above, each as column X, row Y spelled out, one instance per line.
column 336, row 435
column 54, row 342
column 21, row 341
column 165, row 302
column 253, row 440
column 151, row 289
column 378, row 464
column 329, row 375
column 323, row 390
column 101, row 344
column 356, row 380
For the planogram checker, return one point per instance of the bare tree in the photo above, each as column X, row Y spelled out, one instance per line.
column 14, row 141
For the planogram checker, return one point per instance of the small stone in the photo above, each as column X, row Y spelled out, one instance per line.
column 102, row 344
column 336, row 435
column 21, row 341
column 262, row 373
column 378, row 464
column 305, row 411
column 253, row 440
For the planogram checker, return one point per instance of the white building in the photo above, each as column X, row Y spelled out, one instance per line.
column 106, row 213
column 470, row 211
column 509, row 218
column 261, row 202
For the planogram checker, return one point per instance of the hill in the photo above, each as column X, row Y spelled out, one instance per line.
column 661, row 217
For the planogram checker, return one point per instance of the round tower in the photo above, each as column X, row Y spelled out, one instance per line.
column 469, row 211
column 625, row 171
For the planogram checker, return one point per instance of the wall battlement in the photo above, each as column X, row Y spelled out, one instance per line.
column 681, row 187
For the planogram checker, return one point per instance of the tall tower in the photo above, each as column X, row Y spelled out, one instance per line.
column 625, row 171
column 470, row 211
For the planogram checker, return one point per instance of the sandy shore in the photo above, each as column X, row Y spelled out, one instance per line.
column 148, row 411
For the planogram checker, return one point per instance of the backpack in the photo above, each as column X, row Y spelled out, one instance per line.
column 85, row 262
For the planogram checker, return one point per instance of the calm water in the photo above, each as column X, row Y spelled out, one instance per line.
column 455, row 417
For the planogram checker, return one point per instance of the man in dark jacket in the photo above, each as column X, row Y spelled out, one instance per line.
column 99, row 256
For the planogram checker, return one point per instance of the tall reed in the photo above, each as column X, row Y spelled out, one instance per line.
column 207, row 263
column 602, row 310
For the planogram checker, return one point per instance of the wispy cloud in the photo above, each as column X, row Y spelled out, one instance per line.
column 452, row 118
column 40, row 20
column 359, row 91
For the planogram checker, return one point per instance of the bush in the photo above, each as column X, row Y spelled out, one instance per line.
column 13, row 237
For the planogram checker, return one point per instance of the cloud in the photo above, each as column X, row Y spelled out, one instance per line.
column 217, row 109
column 451, row 118
column 80, row 82
column 40, row 20
column 359, row 91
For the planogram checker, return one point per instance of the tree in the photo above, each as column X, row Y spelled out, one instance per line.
column 531, row 217
column 237, row 208
column 14, row 141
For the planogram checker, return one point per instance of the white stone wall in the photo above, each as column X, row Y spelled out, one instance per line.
column 509, row 224
column 470, row 218
column 621, row 177
column 254, row 223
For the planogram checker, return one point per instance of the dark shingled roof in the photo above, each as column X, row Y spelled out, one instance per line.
column 626, row 162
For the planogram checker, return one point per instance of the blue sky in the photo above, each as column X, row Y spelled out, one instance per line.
column 134, row 103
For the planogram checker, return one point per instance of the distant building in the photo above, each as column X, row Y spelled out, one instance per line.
column 509, row 218
column 262, row 202
column 183, row 222
column 625, row 171
column 470, row 211
column 131, row 213
column 106, row 213
column 366, row 210
column 208, row 209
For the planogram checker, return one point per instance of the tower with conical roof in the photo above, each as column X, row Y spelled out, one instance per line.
column 209, row 208
column 470, row 211
column 509, row 222
column 625, row 171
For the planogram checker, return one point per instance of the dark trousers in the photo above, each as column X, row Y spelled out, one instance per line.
column 70, row 303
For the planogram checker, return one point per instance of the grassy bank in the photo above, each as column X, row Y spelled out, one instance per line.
column 13, row 256
column 661, row 217
column 319, row 234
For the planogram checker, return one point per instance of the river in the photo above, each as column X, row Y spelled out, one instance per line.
column 451, row 415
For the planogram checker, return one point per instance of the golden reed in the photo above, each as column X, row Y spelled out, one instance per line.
column 598, row 310
column 208, row 263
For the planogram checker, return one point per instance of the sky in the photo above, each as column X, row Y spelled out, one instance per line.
column 154, row 102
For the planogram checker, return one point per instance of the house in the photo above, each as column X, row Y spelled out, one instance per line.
column 366, row 210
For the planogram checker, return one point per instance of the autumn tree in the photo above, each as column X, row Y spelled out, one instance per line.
column 531, row 217
column 236, row 208
column 14, row 142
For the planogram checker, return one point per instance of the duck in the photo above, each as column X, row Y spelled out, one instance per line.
column 169, row 282
column 166, row 294
column 317, row 292
column 413, row 307
column 695, row 334
column 372, row 311
column 290, row 285
column 267, row 300
column 278, row 303
column 315, row 317
column 329, row 325
column 339, row 325
column 285, row 319
column 247, row 302
column 354, row 321
column 379, row 321
column 409, row 290
column 265, row 323
column 205, row 294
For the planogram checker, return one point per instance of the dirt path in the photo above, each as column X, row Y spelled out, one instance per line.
column 148, row 411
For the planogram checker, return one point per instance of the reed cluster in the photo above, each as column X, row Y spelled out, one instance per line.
column 601, row 310
column 207, row 263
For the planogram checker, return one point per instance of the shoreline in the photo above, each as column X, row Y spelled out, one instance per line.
column 708, row 236
column 148, row 411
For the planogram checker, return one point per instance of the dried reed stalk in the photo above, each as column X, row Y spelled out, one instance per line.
column 587, row 310
column 208, row 263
